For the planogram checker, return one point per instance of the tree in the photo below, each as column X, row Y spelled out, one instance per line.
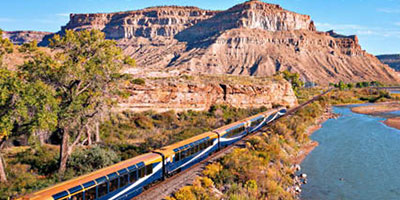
column 84, row 72
column 342, row 86
column 5, row 47
column 25, row 107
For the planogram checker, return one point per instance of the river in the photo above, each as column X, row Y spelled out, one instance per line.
column 358, row 158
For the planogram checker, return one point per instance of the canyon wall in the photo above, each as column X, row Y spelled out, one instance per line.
column 20, row 37
column 199, row 93
column 253, row 38
column 392, row 60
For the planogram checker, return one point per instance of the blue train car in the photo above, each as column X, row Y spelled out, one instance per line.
column 185, row 154
column 123, row 180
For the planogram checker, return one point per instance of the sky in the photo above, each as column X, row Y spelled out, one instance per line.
column 376, row 22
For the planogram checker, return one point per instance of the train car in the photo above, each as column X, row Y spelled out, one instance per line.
column 123, row 180
column 234, row 132
column 260, row 120
column 184, row 154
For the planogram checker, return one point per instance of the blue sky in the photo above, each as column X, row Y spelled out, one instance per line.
column 376, row 22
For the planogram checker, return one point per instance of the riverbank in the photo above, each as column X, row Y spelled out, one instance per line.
column 393, row 122
column 382, row 109
column 377, row 108
column 307, row 148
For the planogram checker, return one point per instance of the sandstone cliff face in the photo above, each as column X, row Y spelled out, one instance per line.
column 252, row 15
column 20, row 37
column 199, row 94
column 317, row 57
column 164, row 21
column 253, row 38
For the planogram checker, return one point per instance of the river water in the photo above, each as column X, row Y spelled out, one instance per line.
column 358, row 158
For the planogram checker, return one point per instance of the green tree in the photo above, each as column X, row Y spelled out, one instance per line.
column 25, row 107
column 293, row 78
column 5, row 47
column 350, row 86
column 342, row 85
column 84, row 73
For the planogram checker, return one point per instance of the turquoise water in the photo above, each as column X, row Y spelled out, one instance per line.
column 358, row 158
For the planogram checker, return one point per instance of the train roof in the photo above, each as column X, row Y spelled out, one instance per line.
column 224, row 129
column 47, row 194
column 170, row 149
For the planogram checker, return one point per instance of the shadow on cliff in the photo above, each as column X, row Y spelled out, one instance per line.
column 204, row 33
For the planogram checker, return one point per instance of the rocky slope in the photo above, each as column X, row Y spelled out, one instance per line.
column 200, row 92
column 392, row 60
column 253, row 38
column 20, row 37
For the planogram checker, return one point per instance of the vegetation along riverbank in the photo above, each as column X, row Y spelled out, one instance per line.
column 266, row 167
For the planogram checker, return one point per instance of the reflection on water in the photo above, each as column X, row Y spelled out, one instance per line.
column 358, row 158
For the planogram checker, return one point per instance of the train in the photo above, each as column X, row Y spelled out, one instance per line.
column 127, row 179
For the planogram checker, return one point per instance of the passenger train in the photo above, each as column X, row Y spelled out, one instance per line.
column 127, row 179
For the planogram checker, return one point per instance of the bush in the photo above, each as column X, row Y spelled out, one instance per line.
column 138, row 81
column 87, row 160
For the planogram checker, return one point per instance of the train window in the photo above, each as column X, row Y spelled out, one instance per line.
column 183, row 154
column 257, row 122
column 177, row 155
column 102, row 190
column 193, row 150
column 123, row 180
column 78, row 196
column 90, row 194
column 113, row 185
column 141, row 172
column 234, row 132
column 197, row 148
column 133, row 176
column 149, row 169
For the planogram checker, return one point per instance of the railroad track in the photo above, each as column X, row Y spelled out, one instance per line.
column 165, row 188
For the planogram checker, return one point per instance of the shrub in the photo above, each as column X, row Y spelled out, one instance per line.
column 86, row 160
column 138, row 81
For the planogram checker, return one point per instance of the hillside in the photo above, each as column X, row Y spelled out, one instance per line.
column 392, row 60
column 253, row 38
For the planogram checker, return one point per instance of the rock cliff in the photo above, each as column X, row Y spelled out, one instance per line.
column 165, row 21
column 253, row 38
column 392, row 60
column 200, row 92
column 20, row 37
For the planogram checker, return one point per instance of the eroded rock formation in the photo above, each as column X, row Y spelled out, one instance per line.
column 392, row 60
column 20, row 37
column 253, row 38
column 199, row 93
